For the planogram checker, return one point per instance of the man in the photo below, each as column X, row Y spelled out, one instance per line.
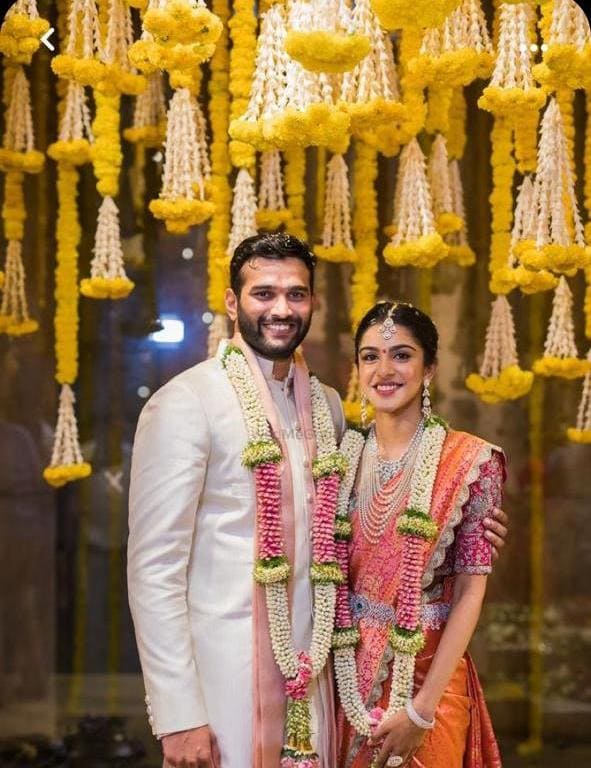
column 191, row 541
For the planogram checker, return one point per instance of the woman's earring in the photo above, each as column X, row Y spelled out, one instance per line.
column 363, row 411
column 426, row 409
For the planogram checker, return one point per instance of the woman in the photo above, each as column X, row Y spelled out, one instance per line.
column 418, row 564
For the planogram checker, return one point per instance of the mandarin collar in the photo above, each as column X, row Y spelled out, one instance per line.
column 266, row 367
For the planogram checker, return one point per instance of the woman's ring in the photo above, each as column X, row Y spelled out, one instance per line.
column 394, row 761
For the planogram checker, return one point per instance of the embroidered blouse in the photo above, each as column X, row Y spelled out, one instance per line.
column 470, row 552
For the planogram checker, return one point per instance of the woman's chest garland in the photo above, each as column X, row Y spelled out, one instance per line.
column 417, row 527
column 263, row 455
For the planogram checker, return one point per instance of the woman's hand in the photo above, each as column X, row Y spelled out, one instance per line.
column 396, row 736
column 496, row 530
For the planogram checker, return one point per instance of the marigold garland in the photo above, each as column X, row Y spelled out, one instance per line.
column 221, row 193
column 21, row 32
column 242, row 26
column 581, row 433
column 399, row 14
column 567, row 53
column 295, row 189
column 337, row 243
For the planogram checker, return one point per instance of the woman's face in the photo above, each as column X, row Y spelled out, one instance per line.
column 392, row 372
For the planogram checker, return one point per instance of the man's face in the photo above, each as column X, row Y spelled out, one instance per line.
column 274, row 309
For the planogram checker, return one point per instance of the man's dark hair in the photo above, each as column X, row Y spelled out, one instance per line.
column 269, row 245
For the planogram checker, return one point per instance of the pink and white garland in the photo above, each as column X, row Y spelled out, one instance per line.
column 262, row 454
column 406, row 636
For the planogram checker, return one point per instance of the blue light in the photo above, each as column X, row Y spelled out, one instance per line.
column 173, row 331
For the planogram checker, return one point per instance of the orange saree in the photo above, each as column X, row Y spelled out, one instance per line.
column 467, row 487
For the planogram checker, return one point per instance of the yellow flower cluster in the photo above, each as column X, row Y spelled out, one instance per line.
column 146, row 135
column 582, row 436
column 514, row 104
column 321, row 51
column 511, row 384
column 106, row 287
column 424, row 253
column 564, row 66
column 13, row 207
column 267, row 218
column 243, row 25
column 505, row 279
column 456, row 133
column 75, row 152
column 106, row 150
column 68, row 233
column 88, row 72
column 448, row 222
column 400, row 14
column 525, row 136
column 365, row 231
column 183, row 36
column 566, row 259
column 20, row 37
column 563, row 367
column 338, row 253
column 221, row 193
column 295, row 189
column 453, row 68
column 501, row 198
column 59, row 475
column 461, row 254
column 181, row 214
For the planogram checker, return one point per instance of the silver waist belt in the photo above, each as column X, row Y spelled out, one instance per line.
column 433, row 615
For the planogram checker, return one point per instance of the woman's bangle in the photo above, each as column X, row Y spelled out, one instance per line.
column 414, row 717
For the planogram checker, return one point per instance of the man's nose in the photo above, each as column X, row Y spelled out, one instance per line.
column 281, row 306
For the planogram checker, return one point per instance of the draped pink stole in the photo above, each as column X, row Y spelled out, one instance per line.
column 268, row 682
column 375, row 569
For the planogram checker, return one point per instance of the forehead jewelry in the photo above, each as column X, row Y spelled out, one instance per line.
column 387, row 329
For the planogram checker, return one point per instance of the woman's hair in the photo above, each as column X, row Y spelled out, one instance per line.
column 418, row 323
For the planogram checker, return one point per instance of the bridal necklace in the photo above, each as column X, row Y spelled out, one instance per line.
column 376, row 508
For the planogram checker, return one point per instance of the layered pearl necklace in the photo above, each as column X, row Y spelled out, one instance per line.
column 416, row 526
column 262, row 454
column 376, row 507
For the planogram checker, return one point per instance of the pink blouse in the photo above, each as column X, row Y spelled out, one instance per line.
column 470, row 551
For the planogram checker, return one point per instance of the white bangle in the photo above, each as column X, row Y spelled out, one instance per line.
column 414, row 717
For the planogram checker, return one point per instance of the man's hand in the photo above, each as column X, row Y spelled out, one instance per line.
column 195, row 748
column 496, row 530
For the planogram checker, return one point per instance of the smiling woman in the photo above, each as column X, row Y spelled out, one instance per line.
column 417, row 549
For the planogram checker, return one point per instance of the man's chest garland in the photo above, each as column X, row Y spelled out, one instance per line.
column 262, row 455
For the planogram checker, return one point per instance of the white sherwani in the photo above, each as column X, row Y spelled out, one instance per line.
column 191, row 553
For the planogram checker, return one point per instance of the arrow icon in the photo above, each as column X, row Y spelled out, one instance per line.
column 45, row 39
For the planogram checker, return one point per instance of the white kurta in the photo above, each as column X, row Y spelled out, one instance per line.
column 191, row 554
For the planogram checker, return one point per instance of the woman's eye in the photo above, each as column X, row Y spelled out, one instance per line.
column 402, row 356
column 368, row 358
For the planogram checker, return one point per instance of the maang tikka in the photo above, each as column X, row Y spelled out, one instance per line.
column 387, row 329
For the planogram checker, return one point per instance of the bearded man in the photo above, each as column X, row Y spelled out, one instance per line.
column 215, row 696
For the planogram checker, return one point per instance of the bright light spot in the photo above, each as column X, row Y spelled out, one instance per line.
column 533, row 47
column 143, row 392
column 187, row 253
column 523, row 48
column 207, row 318
column 544, row 47
column 157, row 157
column 173, row 331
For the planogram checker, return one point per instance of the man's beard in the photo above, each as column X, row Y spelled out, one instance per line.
column 253, row 334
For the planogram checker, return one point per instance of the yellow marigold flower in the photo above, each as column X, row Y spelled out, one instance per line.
column 106, row 287
column 448, row 222
column 181, row 214
column 400, row 14
column 527, row 280
column 10, row 327
column 563, row 367
column 352, row 410
column 75, row 152
column 319, row 125
column 29, row 162
column 511, row 384
column 512, row 103
column 266, row 218
column 566, row 259
column 368, row 116
column 84, row 71
column 320, row 51
column 147, row 135
column 64, row 473
column 338, row 253
column 579, row 435
column 424, row 253
column 20, row 37
column 2, row 278
column 181, row 22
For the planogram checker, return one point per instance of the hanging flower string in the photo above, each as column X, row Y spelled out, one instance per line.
column 272, row 211
column 21, row 32
column 244, row 209
column 337, row 243
column 581, row 433
column 560, row 350
column 460, row 250
column 262, row 455
column 500, row 378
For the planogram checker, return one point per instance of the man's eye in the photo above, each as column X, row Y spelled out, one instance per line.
column 298, row 295
column 263, row 294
